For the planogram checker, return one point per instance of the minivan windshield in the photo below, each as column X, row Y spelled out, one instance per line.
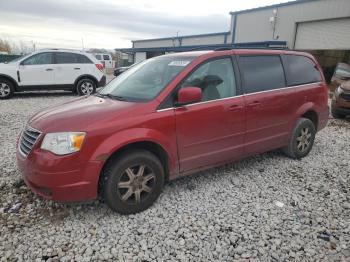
column 145, row 80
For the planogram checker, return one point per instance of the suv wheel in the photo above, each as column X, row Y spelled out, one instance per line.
column 6, row 89
column 131, row 183
column 86, row 87
column 302, row 139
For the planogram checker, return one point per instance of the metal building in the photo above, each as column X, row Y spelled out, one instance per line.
column 321, row 27
column 303, row 24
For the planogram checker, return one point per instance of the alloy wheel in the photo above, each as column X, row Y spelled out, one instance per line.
column 5, row 90
column 86, row 88
column 136, row 184
column 304, row 139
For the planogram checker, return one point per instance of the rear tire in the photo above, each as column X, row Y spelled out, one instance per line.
column 302, row 139
column 6, row 88
column 85, row 87
column 132, row 182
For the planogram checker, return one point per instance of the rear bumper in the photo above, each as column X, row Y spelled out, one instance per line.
column 341, row 110
column 102, row 81
column 323, row 118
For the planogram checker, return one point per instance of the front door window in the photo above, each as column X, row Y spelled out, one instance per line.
column 215, row 78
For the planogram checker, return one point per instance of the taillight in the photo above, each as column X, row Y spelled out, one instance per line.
column 99, row 67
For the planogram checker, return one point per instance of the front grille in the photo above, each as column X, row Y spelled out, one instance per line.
column 28, row 138
column 345, row 96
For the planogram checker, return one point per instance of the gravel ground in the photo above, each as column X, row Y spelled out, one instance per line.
column 264, row 208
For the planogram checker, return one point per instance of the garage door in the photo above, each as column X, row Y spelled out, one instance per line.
column 327, row 34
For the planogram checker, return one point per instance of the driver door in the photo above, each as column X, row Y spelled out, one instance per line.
column 211, row 131
column 37, row 70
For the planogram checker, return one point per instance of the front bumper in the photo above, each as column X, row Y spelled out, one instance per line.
column 59, row 178
column 342, row 110
column 340, row 105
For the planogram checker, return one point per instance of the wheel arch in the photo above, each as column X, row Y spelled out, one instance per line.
column 309, row 111
column 9, row 78
column 88, row 77
column 151, row 146
column 313, row 116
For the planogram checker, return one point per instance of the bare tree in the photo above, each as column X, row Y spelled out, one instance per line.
column 5, row 46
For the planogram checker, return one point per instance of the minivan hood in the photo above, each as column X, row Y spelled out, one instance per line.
column 78, row 115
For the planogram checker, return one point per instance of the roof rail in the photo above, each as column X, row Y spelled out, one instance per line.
column 217, row 47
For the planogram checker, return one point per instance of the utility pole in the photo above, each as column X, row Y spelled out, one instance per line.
column 82, row 43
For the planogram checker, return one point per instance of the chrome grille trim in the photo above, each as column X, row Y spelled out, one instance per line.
column 27, row 140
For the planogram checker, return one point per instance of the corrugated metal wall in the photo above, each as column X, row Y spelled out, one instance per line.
column 208, row 40
column 256, row 26
column 320, row 35
column 187, row 40
column 155, row 43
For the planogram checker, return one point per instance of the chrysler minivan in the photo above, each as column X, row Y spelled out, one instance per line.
column 171, row 116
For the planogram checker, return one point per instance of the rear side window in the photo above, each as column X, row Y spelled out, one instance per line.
column 105, row 57
column 71, row 58
column 261, row 73
column 300, row 70
column 98, row 57
column 66, row 58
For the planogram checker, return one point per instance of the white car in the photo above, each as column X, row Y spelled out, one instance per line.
column 53, row 69
column 105, row 59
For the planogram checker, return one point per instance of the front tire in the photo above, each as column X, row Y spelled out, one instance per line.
column 6, row 89
column 302, row 139
column 132, row 182
column 86, row 87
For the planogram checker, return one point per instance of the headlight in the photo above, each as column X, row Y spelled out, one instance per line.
column 63, row 143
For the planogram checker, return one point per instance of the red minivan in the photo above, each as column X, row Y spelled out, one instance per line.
column 171, row 116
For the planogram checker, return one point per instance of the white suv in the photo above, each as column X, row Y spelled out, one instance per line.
column 54, row 69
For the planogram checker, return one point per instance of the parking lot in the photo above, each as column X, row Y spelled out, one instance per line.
column 266, row 207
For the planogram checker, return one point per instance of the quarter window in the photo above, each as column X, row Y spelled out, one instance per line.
column 215, row 78
column 300, row 70
column 82, row 59
column 39, row 59
column 261, row 73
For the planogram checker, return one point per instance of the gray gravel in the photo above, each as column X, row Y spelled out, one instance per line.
column 264, row 208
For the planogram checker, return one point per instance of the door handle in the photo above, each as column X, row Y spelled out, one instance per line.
column 235, row 108
column 49, row 69
column 77, row 68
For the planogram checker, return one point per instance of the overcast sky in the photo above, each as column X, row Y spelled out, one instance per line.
column 113, row 23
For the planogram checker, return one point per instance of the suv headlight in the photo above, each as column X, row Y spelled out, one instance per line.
column 63, row 143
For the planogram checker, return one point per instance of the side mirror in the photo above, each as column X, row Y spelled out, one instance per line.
column 188, row 95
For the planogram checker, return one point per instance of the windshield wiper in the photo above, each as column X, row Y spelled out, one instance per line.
column 120, row 98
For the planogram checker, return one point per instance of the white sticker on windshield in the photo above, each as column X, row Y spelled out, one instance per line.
column 179, row 63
